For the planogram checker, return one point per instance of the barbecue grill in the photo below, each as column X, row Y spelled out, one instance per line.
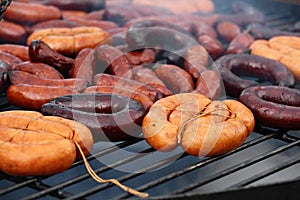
column 266, row 166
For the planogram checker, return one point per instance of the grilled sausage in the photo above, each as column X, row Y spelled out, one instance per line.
column 177, row 79
column 209, row 84
column 148, row 76
column 196, row 60
column 39, row 51
column 111, row 59
column 21, row 77
column 38, row 145
column 87, row 6
column 274, row 106
column 228, row 30
column 4, row 67
column 54, row 23
column 251, row 65
column 10, row 59
column 117, row 81
column 31, row 13
column 84, row 66
column 39, row 69
column 110, row 117
column 13, row 33
column 32, row 97
column 140, row 57
column 213, row 46
column 240, row 44
column 20, row 51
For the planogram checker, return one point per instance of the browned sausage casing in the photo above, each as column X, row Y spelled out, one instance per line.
column 228, row 30
column 274, row 106
column 175, row 78
column 21, row 51
column 31, row 13
column 117, row 81
column 32, row 97
column 12, row 33
column 213, row 46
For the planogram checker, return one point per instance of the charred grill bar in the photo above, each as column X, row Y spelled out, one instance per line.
column 265, row 166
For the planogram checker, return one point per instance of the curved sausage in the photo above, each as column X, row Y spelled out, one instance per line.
column 20, row 51
column 274, row 106
column 110, row 117
column 13, row 33
column 251, row 65
column 177, row 79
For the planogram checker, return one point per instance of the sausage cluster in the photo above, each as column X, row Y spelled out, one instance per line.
column 125, row 60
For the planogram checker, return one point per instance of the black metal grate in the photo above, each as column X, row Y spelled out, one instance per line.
column 267, row 164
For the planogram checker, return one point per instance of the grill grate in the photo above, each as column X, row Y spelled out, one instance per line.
column 268, row 161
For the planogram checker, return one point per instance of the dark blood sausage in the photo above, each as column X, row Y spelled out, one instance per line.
column 39, row 51
column 111, row 59
column 110, row 117
column 230, row 66
column 274, row 106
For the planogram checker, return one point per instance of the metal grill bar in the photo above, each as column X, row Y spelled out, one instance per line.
column 237, row 167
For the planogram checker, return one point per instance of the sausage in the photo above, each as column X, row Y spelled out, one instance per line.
column 10, row 59
column 177, row 79
column 21, row 77
column 228, row 30
column 209, row 84
column 140, row 57
column 54, row 23
column 274, row 106
column 30, row 13
column 148, row 76
column 196, row 60
column 251, row 65
column 39, row 51
column 39, row 69
column 20, row 51
column 240, row 44
column 117, row 81
column 111, row 59
column 202, row 127
column 69, row 41
column 200, row 28
column 13, row 33
column 103, row 24
column 32, row 97
column 109, row 117
column 143, row 99
column 37, row 137
column 87, row 6
column 213, row 46
column 84, row 66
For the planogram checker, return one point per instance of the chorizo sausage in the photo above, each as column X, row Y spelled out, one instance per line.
column 177, row 79
column 39, row 69
column 251, row 65
column 37, row 137
column 148, row 76
column 20, row 51
column 21, row 77
column 202, row 127
column 109, row 117
column 240, row 44
column 10, row 59
column 209, row 84
column 213, row 46
column 32, row 97
column 228, row 30
column 40, row 51
column 111, row 59
column 274, row 106
column 87, row 6
column 13, row 33
column 117, row 81
column 31, row 13
column 196, row 60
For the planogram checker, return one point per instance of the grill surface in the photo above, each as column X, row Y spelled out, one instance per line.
column 266, row 165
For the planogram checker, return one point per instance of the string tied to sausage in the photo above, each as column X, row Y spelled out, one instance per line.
column 114, row 181
column 232, row 115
